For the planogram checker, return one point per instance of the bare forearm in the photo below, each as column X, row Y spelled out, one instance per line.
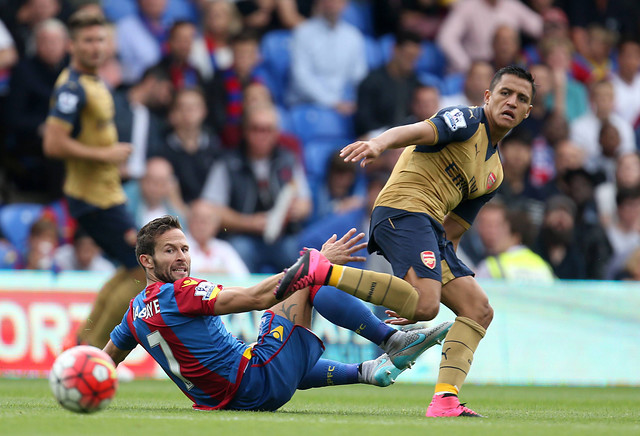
column 256, row 297
column 402, row 136
column 116, row 354
column 59, row 144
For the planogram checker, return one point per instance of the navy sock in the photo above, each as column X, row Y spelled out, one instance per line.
column 330, row 373
column 351, row 313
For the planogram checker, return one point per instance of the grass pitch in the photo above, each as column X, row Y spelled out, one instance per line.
column 152, row 407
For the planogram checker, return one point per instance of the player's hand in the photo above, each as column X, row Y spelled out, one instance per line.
column 364, row 151
column 340, row 251
column 397, row 320
column 117, row 153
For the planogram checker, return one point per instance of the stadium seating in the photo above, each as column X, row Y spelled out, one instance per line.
column 359, row 14
column 312, row 122
column 16, row 220
column 373, row 52
column 276, row 54
column 316, row 157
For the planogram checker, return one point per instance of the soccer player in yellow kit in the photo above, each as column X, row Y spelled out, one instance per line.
column 449, row 169
column 81, row 131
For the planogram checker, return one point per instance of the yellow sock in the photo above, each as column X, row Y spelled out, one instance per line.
column 378, row 288
column 457, row 354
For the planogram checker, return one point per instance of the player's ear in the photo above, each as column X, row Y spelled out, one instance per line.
column 146, row 261
column 487, row 95
column 526, row 115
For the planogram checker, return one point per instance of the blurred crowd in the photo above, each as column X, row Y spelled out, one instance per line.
column 236, row 111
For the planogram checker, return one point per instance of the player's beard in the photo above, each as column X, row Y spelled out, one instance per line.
column 166, row 276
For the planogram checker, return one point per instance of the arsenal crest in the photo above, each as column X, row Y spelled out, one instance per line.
column 491, row 180
column 429, row 259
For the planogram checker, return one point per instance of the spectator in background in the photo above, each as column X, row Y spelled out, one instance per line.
column 555, row 128
column 627, row 177
column 624, row 231
column 424, row 104
column 176, row 62
column 8, row 58
column 265, row 15
column 328, row 59
column 620, row 16
column 384, row 96
column 41, row 244
column 156, row 194
column 569, row 94
column 585, row 131
column 211, row 52
column 556, row 26
column 556, row 242
column 140, row 118
column 567, row 156
column 227, row 88
column 626, row 82
column 505, row 233
column 142, row 38
column 591, row 237
column 340, row 192
column 32, row 176
column 516, row 189
column 83, row 255
column 208, row 253
column 476, row 82
column 595, row 64
column 190, row 147
column 467, row 31
column 28, row 16
column 506, row 47
column 630, row 268
column 247, row 185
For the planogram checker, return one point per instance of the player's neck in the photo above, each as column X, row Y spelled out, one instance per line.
column 83, row 68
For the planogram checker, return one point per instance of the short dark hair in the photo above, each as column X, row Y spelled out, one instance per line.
column 146, row 240
column 177, row 24
column 517, row 71
column 83, row 19
column 627, row 194
column 407, row 36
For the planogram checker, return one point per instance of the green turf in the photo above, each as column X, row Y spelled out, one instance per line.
column 157, row 408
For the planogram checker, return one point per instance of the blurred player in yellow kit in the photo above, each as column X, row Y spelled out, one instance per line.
column 80, row 130
column 449, row 169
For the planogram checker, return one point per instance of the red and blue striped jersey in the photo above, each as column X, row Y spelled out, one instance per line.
column 176, row 324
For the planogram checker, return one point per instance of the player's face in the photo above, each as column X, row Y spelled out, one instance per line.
column 89, row 47
column 508, row 104
column 171, row 260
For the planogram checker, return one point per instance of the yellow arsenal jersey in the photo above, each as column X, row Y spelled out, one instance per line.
column 83, row 104
column 455, row 175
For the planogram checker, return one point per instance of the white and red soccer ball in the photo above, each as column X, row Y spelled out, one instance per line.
column 83, row 379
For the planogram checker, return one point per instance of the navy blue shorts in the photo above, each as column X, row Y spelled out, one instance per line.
column 410, row 239
column 281, row 358
column 107, row 227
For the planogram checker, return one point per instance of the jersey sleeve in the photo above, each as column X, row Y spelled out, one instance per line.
column 467, row 211
column 454, row 124
column 67, row 102
column 196, row 297
column 121, row 335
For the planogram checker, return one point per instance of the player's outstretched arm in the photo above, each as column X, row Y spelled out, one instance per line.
column 396, row 137
column 116, row 354
column 261, row 296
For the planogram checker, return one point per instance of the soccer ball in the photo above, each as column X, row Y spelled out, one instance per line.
column 83, row 379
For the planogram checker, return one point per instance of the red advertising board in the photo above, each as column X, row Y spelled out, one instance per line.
column 34, row 324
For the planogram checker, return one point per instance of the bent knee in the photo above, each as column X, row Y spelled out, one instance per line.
column 482, row 313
